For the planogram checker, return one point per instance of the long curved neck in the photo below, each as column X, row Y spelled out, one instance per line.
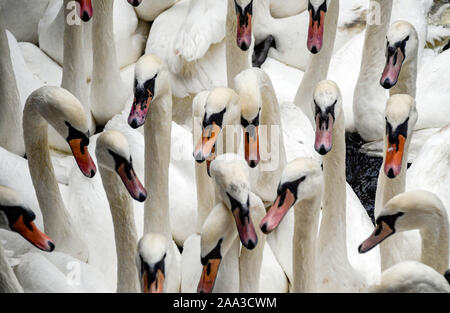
column 157, row 132
column 125, row 233
column 57, row 221
column 435, row 240
column 11, row 132
column 304, row 244
column 332, row 236
column 250, row 261
column 407, row 80
column 74, row 77
column 107, row 87
column 8, row 280
column 319, row 63
column 368, row 91
column 272, row 149
column 388, row 188
column 237, row 60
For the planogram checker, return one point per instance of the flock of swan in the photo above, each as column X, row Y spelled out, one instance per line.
column 234, row 114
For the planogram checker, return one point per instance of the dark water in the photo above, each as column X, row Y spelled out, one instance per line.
column 362, row 172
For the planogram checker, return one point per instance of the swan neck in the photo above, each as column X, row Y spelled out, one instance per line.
column 306, row 225
column 9, row 101
column 435, row 242
column 333, row 225
column 319, row 63
column 157, row 134
column 272, row 149
column 237, row 60
column 407, row 79
column 388, row 188
column 8, row 280
column 57, row 221
column 74, row 77
column 125, row 234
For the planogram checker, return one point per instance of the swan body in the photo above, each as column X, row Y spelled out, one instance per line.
column 149, row 10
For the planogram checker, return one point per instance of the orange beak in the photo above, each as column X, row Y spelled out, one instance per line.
column 244, row 31
column 30, row 232
column 394, row 157
column 381, row 232
column 205, row 147
column 209, row 274
column 157, row 286
column 252, row 145
column 277, row 212
column 82, row 157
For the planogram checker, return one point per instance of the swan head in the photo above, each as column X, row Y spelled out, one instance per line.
column 135, row 3
column 317, row 12
column 113, row 154
column 17, row 217
column 150, row 72
column 401, row 118
column 85, row 10
column 327, row 102
column 230, row 174
column 402, row 44
column 221, row 109
column 247, row 86
column 301, row 179
column 151, row 261
column 410, row 210
column 65, row 113
column 244, row 13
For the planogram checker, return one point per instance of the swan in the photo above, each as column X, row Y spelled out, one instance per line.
column 58, row 107
column 416, row 209
column 214, row 110
column 11, row 137
column 109, row 95
column 333, row 256
column 321, row 38
column 153, row 106
column 259, row 108
column 195, row 38
column 74, row 77
column 15, row 216
column 401, row 116
column 120, row 181
column 231, row 179
column 300, row 187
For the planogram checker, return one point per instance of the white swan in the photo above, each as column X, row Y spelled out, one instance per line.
column 401, row 117
column 11, row 137
column 231, row 178
column 422, row 210
column 153, row 106
column 333, row 256
column 64, row 112
column 321, row 38
column 120, row 181
column 300, row 187
column 287, row 8
column 16, row 217
column 260, row 109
